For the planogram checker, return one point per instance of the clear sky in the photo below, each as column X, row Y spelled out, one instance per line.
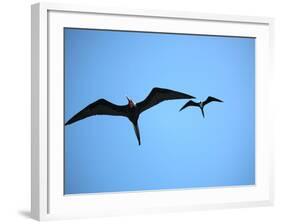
column 179, row 149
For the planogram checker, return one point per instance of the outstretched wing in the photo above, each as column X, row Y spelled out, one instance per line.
column 158, row 95
column 99, row 107
column 190, row 103
column 211, row 99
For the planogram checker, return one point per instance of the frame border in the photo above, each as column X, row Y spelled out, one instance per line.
column 40, row 89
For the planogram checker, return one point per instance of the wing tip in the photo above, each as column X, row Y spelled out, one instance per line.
column 184, row 106
column 219, row 100
column 68, row 123
column 192, row 97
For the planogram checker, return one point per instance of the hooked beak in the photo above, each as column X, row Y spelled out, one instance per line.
column 128, row 99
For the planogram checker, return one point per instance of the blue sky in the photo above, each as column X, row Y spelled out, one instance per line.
column 179, row 149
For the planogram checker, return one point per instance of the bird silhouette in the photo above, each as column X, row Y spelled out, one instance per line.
column 131, row 110
column 200, row 104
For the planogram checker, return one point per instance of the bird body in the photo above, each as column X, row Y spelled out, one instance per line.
column 201, row 104
column 132, row 111
column 133, row 116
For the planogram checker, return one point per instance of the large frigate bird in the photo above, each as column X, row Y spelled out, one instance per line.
column 131, row 110
column 200, row 104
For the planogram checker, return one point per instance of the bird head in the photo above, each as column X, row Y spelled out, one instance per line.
column 131, row 104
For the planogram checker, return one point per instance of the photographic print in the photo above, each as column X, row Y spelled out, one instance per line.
column 157, row 111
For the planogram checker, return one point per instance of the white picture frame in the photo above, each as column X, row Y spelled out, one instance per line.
column 48, row 201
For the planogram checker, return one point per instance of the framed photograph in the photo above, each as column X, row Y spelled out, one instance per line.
column 138, row 111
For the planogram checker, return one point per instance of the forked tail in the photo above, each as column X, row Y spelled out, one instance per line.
column 137, row 132
column 202, row 110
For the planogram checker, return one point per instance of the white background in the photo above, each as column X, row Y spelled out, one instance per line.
column 15, row 111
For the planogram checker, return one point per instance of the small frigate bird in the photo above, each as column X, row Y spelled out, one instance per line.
column 201, row 104
column 131, row 110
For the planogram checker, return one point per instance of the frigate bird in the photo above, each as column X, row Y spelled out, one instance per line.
column 131, row 110
column 200, row 104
